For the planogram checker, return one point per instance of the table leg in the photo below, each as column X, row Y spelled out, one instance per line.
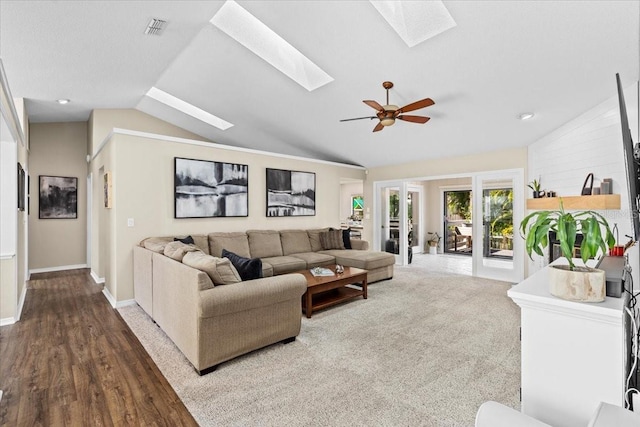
column 364, row 288
column 308, row 303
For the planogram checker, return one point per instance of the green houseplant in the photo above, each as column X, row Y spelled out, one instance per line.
column 570, row 282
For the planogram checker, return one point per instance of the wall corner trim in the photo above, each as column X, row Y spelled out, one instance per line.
column 7, row 321
column 129, row 132
column 96, row 278
column 113, row 302
column 7, row 256
column 23, row 297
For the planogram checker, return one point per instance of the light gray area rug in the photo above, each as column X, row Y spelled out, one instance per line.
column 424, row 350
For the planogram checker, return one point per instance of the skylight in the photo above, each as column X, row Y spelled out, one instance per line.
column 415, row 21
column 249, row 31
column 185, row 107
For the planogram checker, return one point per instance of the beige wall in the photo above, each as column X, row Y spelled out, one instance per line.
column 8, row 297
column 143, row 173
column 58, row 149
column 101, row 122
column 463, row 165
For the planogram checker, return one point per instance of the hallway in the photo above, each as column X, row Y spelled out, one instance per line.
column 72, row 360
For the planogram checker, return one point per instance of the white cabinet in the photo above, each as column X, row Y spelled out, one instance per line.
column 572, row 353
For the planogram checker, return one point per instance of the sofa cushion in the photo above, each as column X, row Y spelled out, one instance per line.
column 315, row 259
column 202, row 242
column 267, row 269
column 368, row 260
column 285, row 264
column 248, row 268
column 236, row 242
column 177, row 250
column 220, row 270
column 331, row 239
column 314, row 238
column 264, row 243
column 156, row 244
column 294, row 242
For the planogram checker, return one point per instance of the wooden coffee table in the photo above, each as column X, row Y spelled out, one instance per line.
column 325, row 291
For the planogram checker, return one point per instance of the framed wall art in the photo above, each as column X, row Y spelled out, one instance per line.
column 204, row 189
column 58, row 197
column 108, row 191
column 290, row 193
column 21, row 187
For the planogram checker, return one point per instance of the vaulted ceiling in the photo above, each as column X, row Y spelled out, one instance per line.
column 502, row 58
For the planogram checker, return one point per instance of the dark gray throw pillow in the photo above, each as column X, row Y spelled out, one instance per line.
column 346, row 238
column 186, row 240
column 248, row 268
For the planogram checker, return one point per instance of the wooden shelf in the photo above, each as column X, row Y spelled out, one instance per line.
column 596, row 202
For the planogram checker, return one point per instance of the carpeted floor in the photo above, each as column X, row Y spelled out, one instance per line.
column 424, row 350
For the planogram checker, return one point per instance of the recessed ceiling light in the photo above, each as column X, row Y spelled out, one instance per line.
column 253, row 34
column 63, row 101
column 415, row 21
column 526, row 116
column 185, row 107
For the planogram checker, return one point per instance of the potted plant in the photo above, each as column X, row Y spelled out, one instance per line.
column 578, row 283
column 537, row 189
column 433, row 241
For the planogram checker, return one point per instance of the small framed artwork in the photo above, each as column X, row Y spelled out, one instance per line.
column 205, row 189
column 108, row 190
column 21, row 188
column 290, row 193
column 58, row 197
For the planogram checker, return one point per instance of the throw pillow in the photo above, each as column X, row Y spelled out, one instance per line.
column 187, row 240
column 220, row 270
column 177, row 250
column 346, row 238
column 249, row 268
column 331, row 239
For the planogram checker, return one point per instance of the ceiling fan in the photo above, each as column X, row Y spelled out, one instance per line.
column 387, row 114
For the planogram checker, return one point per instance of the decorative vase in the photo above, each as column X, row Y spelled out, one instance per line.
column 584, row 284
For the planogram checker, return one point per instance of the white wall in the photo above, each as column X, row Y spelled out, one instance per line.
column 591, row 142
column 8, row 197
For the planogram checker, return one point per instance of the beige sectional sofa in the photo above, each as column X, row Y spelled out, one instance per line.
column 212, row 323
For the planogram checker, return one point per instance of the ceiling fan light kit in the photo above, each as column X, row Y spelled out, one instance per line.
column 388, row 113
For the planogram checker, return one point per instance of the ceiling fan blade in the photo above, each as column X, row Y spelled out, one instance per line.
column 374, row 105
column 378, row 127
column 359, row 118
column 414, row 119
column 415, row 106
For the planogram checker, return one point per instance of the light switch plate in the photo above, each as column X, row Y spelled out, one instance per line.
column 130, row 222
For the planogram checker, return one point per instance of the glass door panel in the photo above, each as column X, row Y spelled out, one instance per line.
column 499, row 197
column 458, row 235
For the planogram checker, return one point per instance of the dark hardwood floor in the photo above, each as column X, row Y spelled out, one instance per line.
column 72, row 361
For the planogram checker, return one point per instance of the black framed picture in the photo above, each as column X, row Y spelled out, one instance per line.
column 205, row 189
column 21, row 187
column 290, row 193
column 58, row 197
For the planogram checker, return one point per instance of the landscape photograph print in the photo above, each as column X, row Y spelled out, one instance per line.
column 205, row 189
column 58, row 197
column 290, row 193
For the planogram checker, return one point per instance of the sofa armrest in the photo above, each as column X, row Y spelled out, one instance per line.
column 251, row 294
column 362, row 245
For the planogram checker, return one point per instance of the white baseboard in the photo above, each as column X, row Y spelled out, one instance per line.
column 113, row 302
column 7, row 321
column 23, row 296
column 97, row 279
column 60, row 268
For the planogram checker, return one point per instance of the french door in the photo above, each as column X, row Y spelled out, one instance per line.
column 498, row 200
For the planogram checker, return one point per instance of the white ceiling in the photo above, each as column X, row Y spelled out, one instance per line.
column 557, row 59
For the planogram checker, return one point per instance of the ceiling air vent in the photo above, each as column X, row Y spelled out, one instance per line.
column 155, row 27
